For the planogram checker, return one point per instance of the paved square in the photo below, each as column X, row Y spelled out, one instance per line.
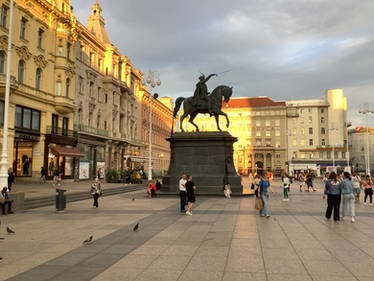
column 225, row 239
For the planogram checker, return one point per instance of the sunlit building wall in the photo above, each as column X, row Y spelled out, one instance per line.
column 259, row 123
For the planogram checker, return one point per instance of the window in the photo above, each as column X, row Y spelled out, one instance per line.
column 100, row 64
column 58, row 88
column 302, row 155
column 267, row 123
column 302, row 142
column 2, row 62
column 27, row 118
column 38, row 78
column 328, row 154
column 310, row 119
column 22, row 33
column 106, row 98
column 277, row 155
column 277, row 123
column 258, row 133
column 321, row 155
column 336, row 155
column 91, row 58
column 21, row 71
column 322, row 120
column 81, row 84
column 105, row 125
column 343, row 154
column 267, row 134
column 68, row 47
column 91, row 89
column 311, row 155
column 268, row 142
column 323, row 142
column 309, row 110
column 54, row 124
column 310, row 131
column 294, row 131
column 40, row 38
column 322, row 110
column 250, row 133
column 79, row 115
column 258, row 113
column 67, row 87
column 59, row 51
column 98, row 121
column 1, row 113
column 310, row 142
column 65, row 123
column 277, row 144
column 258, row 142
column 277, row 133
column 4, row 15
column 302, row 131
column 258, row 123
column 323, row 131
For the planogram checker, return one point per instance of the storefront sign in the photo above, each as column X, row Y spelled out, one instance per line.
column 26, row 136
column 84, row 170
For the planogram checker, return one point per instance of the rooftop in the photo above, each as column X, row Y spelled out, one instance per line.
column 252, row 102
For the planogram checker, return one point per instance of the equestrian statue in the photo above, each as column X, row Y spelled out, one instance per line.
column 204, row 102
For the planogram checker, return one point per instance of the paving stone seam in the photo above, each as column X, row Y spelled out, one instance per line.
column 18, row 277
column 323, row 245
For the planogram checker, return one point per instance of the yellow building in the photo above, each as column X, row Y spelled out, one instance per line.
column 259, row 123
column 42, row 86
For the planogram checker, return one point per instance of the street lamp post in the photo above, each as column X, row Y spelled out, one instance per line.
column 347, row 156
column 153, row 80
column 366, row 111
column 4, row 154
column 333, row 150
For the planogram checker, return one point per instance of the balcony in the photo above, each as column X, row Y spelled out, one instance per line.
column 61, row 132
column 91, row 130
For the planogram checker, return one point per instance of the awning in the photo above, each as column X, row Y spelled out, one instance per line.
column 67, row 151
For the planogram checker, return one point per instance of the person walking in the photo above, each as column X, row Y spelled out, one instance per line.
column 286, row 186
column 190, row 188
column 368, row 187
column 356, row 180
column 333, row 191
column 11, row 179
column 309, row 182
column 183, row 192
column 302, row 182
column 264, row 188
column 251, row 181
column 43, row 174
column 348, row 196
column 96, row 191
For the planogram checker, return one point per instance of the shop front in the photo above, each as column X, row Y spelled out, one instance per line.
column 92, row 162
column 62, row 156
column 23, row 153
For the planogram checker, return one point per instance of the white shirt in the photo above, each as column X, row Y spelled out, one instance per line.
column 182, row 185
column 286, row 181
column 356, row 181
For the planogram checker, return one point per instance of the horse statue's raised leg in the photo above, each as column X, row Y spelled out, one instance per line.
column 192, row 117
column 181, row 121
column 217, row 121
column 220, row 112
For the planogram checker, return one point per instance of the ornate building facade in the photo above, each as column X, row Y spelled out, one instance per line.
column 259, row 123
column 42, row 87
column 107, row 109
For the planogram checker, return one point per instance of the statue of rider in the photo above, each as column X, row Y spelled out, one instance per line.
column 201, row 92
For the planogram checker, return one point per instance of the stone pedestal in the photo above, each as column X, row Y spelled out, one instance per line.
column 208, row 157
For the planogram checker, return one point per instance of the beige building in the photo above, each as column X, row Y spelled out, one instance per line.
column 359, row 137
column 317, row 133
column 42, row 86
column 259, row 123
column 107, row 109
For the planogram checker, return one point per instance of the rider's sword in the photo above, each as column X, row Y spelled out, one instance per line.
column 224, row 72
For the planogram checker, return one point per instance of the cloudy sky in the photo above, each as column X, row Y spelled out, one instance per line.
column 284, row 49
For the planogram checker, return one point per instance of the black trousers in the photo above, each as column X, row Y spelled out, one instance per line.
column 9, row 203
column 183, row 196
column 368, row 192
column 96, row 202
column 333, row 202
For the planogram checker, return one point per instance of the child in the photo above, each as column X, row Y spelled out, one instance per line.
column 286, row 186
column 227, row 191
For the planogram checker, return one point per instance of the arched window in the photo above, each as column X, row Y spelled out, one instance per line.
column 38, row 78
column 67, row 86
column 2, row 62
column 21, row 71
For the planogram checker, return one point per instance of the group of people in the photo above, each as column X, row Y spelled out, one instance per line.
column 187, row 194
column 349, row 187
column 153, row 187
column 305, row 180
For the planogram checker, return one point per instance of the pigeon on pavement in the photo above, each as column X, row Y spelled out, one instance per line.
column 136, row 227
column 88, row 241
column 9, row 230
column 133, row 199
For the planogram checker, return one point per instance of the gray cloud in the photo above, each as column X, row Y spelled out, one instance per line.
column 283, row 49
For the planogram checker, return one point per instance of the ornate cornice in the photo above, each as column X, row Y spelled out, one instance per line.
column 3, row 43
column 69, row 71
column 40, row 61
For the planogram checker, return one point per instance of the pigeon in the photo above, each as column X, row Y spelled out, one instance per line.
column 2, row 238
column 88, row 241
column 133, row 199
column 9, row 230
column 136, row 227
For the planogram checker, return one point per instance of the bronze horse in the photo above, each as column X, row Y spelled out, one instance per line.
column 215, row 97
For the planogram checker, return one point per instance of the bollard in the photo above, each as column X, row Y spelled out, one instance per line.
column 60, row 199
